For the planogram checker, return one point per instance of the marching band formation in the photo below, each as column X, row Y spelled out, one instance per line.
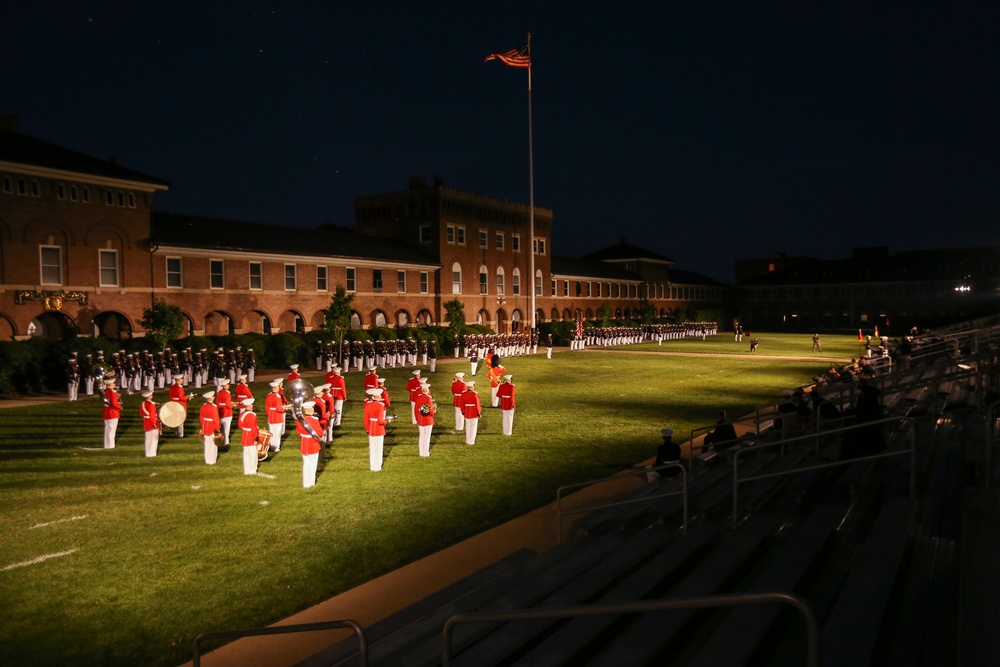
column 318, row 411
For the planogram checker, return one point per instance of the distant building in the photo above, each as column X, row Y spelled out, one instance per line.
column 83, row 253
column 922, row 288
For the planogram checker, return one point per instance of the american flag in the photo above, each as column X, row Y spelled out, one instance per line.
column 579, row 326
column 519, row 57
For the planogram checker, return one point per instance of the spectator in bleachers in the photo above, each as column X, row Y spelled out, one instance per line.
column 868, row 440
column 723, row 437
column 668, row 452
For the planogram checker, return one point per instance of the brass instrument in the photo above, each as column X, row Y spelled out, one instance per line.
column 298, row 391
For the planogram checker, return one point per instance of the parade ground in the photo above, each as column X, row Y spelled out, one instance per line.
column 112, row 558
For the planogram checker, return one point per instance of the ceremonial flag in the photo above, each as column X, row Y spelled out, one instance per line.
column 579, row 325
column 859, row 336
column 876, row 331
column 519, row 57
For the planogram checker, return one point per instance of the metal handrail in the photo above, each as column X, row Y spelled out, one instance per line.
column 912, row 450
column 813, row 638
column 283, row 630
column 684, row 491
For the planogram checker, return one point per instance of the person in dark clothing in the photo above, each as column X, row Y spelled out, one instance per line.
column 723, row 437
column 868, row 440
column 666, row 453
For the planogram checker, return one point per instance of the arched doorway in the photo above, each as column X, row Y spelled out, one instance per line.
column 52, row 324
column 110, row 324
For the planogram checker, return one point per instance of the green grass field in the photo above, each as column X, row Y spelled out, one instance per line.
column 155, row 551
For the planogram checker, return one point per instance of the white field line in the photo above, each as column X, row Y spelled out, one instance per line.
column 49, row 523
column 35, row 561
column 264, row 474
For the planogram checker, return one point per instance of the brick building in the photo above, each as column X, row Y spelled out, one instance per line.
column 84, row 253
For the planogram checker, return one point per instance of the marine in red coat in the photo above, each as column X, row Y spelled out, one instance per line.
column 308, row 445
column 176, row 394
column 210, row 425
column 111, row 413
column 424, row 409
column 249, row 435
column 471, row 409
column 150, row 423
column 505, row 395
column 457, row 389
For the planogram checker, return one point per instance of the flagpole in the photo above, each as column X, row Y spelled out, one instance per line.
column 531, row 199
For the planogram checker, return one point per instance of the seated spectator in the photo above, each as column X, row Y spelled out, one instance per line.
column 723, row 437
column 869, row 440
column 668, row 452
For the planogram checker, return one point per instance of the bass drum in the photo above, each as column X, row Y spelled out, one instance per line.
column 172, row 414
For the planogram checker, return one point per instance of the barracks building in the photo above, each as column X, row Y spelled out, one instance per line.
column 82, row 252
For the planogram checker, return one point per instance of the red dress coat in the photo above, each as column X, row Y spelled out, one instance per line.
column 210, row 422
column 224, row 401
column 177, row 395
column 422, row 419
column 150, row 420
column 242, row 392
column 307, row 443
column 413, row 386
column 338, row 388
column 375, row 418
column 505, row 394
column 249, row 428
column 457, row 389
column 275, row 407
column 112, row 410
column 471, row 409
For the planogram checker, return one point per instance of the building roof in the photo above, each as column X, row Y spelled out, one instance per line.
column 583, row 267
column 624, row 251
column 23, row 150
column 681, row 277
column 190, row 231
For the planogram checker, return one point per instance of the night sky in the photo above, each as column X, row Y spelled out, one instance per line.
column 704, row 131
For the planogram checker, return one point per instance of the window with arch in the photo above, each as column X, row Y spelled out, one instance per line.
column 515, row 278
column 36, row 188
column 538, row 282
column 8, row 184
column 379, row 319
column 402, row 319
column 355, row 320
column 484, row 280
column 456, row 278
column 500, row 280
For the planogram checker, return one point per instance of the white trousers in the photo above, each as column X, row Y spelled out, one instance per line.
column 211, row 451
column 459, row 419
column 152, row 441
column 508, row 422
column 413, row 412
column 110, row 428
column 493, row 396
column 375, row 443
column 309, row 463
column 424, row 439
column 72, row 389
column 338, row 406
column 227, row 423
column 471, row 428
column 276, row 429
column 548, row 354
column 249, row 460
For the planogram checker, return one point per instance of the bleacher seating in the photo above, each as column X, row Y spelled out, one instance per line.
column 879, row 568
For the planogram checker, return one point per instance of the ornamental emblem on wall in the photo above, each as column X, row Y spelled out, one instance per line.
column 51, row 300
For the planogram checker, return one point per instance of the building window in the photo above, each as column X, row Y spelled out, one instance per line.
column 618, row 290
column 291, row 277
column 500, row 241
column 401, row 281
column 423, row 282
column 174, row 267
column 22, row 186
column 256, row 276
column 321, row 282
column 589, row 293
column 36, row 189
column 425, row 234
column 484, row 238
column 8, row 185
column 351, row 282
column 500, row 281
column 86, row 194
column 121, row 198
column 61, row 190
column 451, row 234
column 50, row 260
column 565, row 288
column 74, row 193
column 516, row 283
column 538, row 245
column 456, row 278
column 538, row 282
column 108, row 261
column 460, row 235
column 377, row 280
column 484, row 280
column 515, row 242
column 599, row 285
column 553, row 287
column 217, row 275
column 109, row 198
column 131, row 200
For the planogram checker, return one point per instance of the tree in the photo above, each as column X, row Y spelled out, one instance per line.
column 604, row 314
column 162, row 322
column 647, row 311
column 454, row 313
column 337, row 318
